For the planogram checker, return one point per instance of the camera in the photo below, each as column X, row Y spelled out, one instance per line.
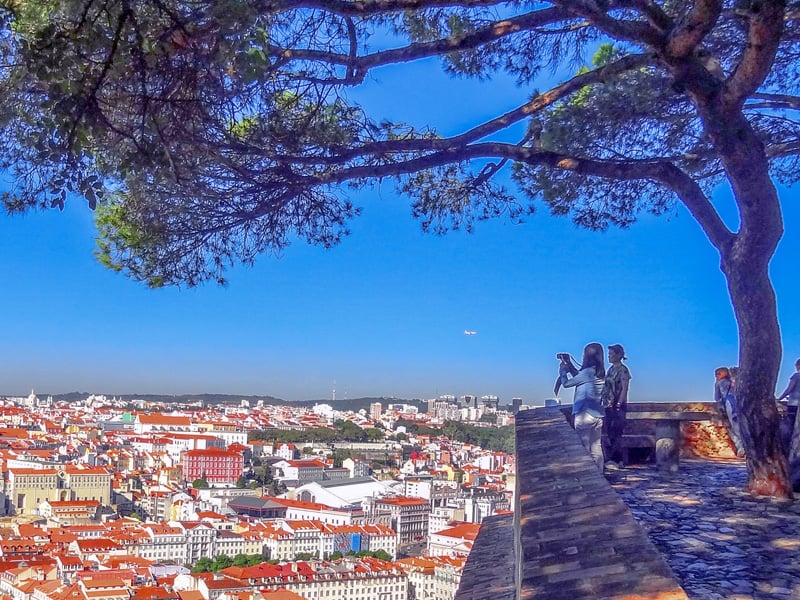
column 563, row 357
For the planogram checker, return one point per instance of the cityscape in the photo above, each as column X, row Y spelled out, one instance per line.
column 108, row 497
column 403, row 219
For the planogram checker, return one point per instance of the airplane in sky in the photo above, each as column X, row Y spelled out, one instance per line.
column 468, row 332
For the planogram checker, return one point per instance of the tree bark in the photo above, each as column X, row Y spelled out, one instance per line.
column 759, row 358
column 745, row 262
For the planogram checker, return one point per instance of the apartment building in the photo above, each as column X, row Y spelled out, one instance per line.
column 231, row 543
column 420, row 573
column 162, row 542
column 407, row 516
column 353, row 579
column 286, row 539
column 200, row 537
column 215, row 465
column 447, row 577
column 453, row 541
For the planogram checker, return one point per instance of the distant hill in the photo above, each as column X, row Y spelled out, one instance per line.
column 353, row 404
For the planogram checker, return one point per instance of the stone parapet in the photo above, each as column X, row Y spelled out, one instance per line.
column 574, row 537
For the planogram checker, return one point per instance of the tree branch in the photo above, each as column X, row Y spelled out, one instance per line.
column 777, row 100
column 763, row 37
column 782, row 150
column 538, row 103
column 91, row 98
column 419, row 50
column 697, row 23
column 652, row 11
column 622, row 29
column 661, row 171
column 542, row 101
column 366, row 8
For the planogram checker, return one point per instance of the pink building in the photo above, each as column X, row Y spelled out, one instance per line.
column 215, row 465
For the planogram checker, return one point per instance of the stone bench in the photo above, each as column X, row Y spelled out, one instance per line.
column 641, row 442
column 656, row 427
column 667, row 431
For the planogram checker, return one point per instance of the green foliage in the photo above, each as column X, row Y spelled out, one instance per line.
column 256, row 141
column 200, row 483
column 380, row 554
column 342, row 431
column 118, row 228
column 605, row 55
column 340, row 455
column 263, row 475
column 247, row 560
column 203, row 565
column 374, row 434
column 221, row 561
column 304, row 556
column 497, row 439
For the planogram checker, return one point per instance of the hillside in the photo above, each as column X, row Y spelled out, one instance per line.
column 348, row 404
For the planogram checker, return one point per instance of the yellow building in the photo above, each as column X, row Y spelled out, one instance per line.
column 79, row 482
column 27, row 488
column 451, row 472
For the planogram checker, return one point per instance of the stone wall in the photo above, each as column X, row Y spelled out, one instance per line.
column 489, row 572
column 573, row 536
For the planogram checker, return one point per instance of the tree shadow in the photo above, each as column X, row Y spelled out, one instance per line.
column 720, row 541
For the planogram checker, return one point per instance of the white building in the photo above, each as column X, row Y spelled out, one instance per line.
column 453, row 541
column 342, row 493
column 351, row 579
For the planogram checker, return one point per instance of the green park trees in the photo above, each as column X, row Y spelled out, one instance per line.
column 207, row 132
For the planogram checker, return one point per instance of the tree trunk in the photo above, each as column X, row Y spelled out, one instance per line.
column 745, row 262
column 759, row 361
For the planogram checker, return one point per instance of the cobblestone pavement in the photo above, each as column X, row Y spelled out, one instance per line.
column 721, row 543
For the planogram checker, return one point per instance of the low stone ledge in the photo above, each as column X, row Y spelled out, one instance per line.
column 574, row 537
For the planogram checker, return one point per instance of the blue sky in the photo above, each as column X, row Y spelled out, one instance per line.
column 384, row 313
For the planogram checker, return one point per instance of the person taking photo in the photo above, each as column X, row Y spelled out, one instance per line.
column 587, row 406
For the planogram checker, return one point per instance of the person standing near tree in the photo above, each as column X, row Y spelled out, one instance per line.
column 791, row 395
column 725, row 399
column 587, row 406
column 615, row 400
